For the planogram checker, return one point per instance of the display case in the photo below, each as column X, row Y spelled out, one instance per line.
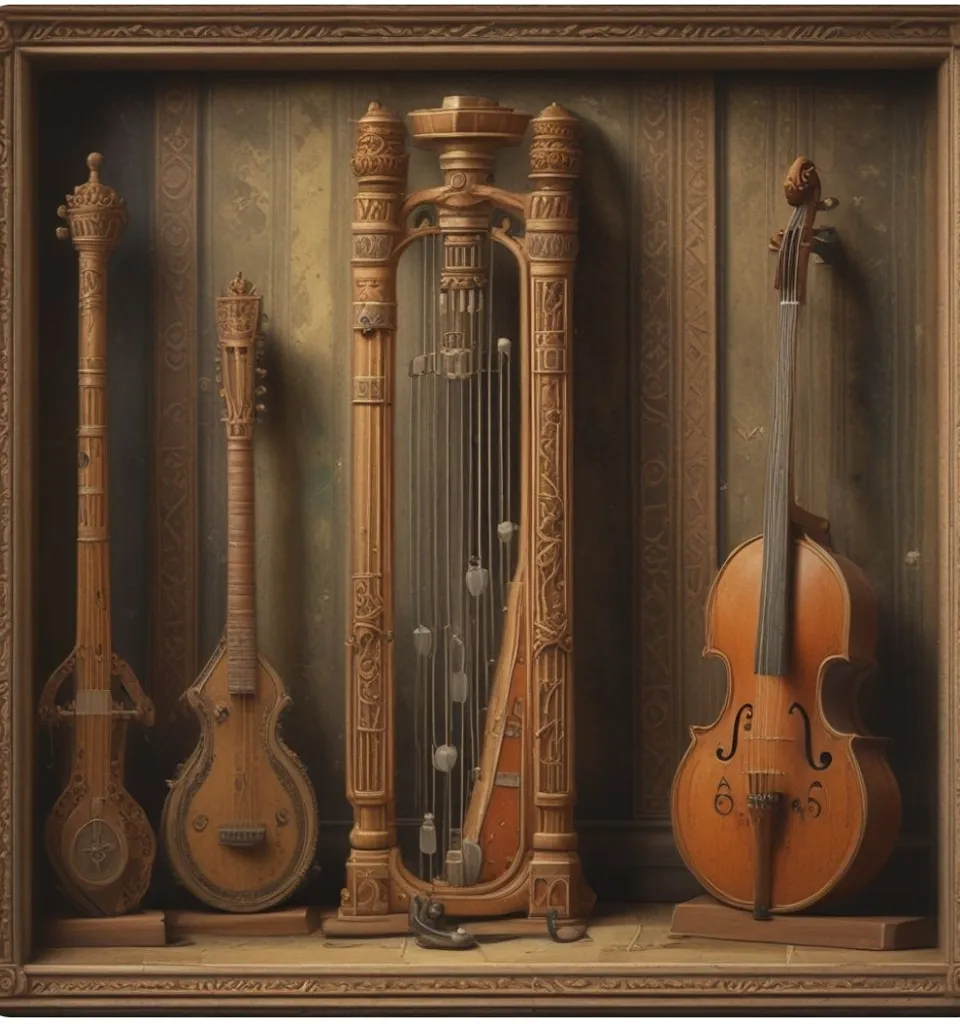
column 230, row 134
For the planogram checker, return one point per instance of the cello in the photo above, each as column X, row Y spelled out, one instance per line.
column 785, row 800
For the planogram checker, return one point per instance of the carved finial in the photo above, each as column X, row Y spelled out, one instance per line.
column 379, row 151
column 239, row 285
column 94, row 163
column 555, row 150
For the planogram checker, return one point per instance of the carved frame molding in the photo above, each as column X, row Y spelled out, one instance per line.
column 412, row 38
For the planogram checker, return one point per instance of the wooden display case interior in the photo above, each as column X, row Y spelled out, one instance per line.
column 672, row 358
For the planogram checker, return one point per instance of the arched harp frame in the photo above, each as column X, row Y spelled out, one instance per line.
column 536, row 650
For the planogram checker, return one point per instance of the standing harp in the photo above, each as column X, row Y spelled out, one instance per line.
column 483, row 632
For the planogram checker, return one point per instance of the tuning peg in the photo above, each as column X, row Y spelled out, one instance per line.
column 776, row 240
column 828, row 204
column 261, row 371
column 260, row 390
column 261, row 407
column 63, row 234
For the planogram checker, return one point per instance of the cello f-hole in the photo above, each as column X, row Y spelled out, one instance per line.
column 746, row 713
column 826, row 758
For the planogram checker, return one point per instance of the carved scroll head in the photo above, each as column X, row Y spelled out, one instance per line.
column 802, row 184
column 555, row 151
column 380, row 156
column 94, row 213
column 238, row 329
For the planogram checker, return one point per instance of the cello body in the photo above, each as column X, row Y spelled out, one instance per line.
column 840, row 806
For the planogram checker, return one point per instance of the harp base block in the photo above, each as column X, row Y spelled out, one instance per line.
column 335, row 926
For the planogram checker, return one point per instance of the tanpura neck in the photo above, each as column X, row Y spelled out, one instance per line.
column 241, row 599
column 772, row 656
column 93, row 539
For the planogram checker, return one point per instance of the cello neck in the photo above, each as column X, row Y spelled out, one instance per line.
column 773, row 632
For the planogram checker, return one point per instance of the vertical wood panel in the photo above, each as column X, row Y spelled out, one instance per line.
column 674, row 421
column 173, row 498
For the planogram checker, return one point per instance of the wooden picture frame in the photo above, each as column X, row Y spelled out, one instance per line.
column 433, row 38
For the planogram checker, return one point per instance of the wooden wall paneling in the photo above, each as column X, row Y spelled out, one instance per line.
column 674, row 423
column 866, row 355
column 947, row 241
column 173, row 495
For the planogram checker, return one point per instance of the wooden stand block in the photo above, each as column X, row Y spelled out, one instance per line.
column 289, row 921
column 705, row 918
column 144, row 929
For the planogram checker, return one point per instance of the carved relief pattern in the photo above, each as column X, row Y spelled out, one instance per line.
column 6, row 709
column 656, row 515
column 470, row 30
column 503, row 983
column 551, row 245
column 173, row 592
column 674, row 419
column 696, row 383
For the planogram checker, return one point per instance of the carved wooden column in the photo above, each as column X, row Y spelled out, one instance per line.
column 551, row 242
column 380, row 165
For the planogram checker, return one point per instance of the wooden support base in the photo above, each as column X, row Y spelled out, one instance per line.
column 144, row 929
column 397, row 924
column 289, row 921
column 705, row 918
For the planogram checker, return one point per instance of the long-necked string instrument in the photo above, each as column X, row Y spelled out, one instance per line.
column 785, row 801
column 240, row 821
column 97, row 836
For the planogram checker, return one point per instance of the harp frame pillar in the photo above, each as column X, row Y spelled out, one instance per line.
column 380, row 165
column 551, row 243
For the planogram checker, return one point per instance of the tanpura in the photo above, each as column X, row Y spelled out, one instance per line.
column 240, row 821
column 97, row 836
column 785, row 800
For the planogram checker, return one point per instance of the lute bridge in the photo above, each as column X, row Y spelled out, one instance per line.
column 242, row 836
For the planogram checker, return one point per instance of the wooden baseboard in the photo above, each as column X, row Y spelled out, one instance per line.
column 144, row 929
column 705, row 918
column 288, row 921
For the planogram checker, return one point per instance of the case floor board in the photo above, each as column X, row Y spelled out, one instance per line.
column 624, row 935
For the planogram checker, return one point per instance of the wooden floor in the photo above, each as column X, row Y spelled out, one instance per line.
column 617, row 936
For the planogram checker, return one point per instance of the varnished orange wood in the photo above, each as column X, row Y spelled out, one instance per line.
column 818, row 851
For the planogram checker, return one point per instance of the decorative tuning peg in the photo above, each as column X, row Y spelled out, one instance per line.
column 261, row 371
column 260, row 390
column 428, row 835
column 830, row 203
column 63, row 233
column 261, row 407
